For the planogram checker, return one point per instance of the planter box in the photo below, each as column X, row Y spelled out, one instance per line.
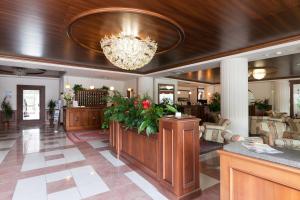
column 171, row 156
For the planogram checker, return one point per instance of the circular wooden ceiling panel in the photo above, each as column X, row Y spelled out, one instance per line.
column 88, row 28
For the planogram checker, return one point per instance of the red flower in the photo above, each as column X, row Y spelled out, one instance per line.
column 146, row 104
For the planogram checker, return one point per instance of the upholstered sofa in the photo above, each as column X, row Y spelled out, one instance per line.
column 282, row 132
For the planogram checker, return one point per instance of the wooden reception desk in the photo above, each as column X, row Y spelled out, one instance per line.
column 83, row 118
column 247, row 175
column 170, row 156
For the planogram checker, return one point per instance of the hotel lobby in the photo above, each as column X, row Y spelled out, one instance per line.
column 140, row 100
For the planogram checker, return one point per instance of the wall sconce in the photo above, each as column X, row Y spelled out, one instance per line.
column 92, row 87
column 190, row 92
column 129, row 89
column 208, row 94
column 111, row 88
column 178, row 92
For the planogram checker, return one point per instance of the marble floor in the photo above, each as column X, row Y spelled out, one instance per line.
column 38, row 164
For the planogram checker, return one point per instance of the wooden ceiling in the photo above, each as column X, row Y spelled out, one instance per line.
column 276, row 68
column 187, row 31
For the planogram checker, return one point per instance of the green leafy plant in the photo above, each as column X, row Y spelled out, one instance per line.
column 136, row 113
column 6, row 109
column 51, row 107
column 215, row 103
column 262, row 105
column 77, row 87
column 105, row 87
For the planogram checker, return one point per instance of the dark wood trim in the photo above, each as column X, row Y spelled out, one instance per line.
column 180, row 31
column 227, row 53
column 20, row 89
column 292, row 83
column 160, row 84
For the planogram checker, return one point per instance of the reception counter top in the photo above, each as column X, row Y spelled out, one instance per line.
column 288, row 157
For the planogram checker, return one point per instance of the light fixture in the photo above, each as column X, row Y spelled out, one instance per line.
column 92, row 87
column 178, row 92
column 129, row 89
column 208, row 94
column 67, row 86
column 128, row 52
column 168, row 87
column 111, row 88
column 259, row 73
column 278, row 52
column 190, row 92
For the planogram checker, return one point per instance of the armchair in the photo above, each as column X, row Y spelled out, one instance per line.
column 213, row 131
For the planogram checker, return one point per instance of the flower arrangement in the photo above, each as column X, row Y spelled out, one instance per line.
column 68, row 96
column 139, row 113
column 215, row 102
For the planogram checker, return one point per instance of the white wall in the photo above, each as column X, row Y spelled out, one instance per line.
column 97, row 82
column 9, row 84
column 263, row 90
column 133, row 84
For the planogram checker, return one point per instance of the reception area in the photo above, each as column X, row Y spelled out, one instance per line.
column 140, row 100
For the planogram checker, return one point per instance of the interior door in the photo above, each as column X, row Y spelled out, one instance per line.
column 30, row 104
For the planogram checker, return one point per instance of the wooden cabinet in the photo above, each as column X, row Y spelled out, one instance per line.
column 83, row 118
column 245, row 178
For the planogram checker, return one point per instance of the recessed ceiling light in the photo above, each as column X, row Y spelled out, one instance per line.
column 278, row 52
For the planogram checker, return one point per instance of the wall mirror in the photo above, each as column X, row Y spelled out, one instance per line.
column 166, row 92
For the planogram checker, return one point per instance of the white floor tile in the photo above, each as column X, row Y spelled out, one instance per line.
column 97, row 144
column 207, row 181
column 56, row 162
column 7, row 143
column 69, row 194
column 58, row 176
column 144, row 185
column 33, row 188
column 33, row 161
column 37, row 160
column 3, row 155
column 88, row 182
column 113, row 160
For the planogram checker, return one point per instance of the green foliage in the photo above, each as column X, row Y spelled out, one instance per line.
column 51, row 107
column 77, row 87
column 215, row 104
column 262, row 104
column 7, row 109
column 104, row 87
column 136, row 113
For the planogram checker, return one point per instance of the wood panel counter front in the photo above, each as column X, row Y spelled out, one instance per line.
column 247, row 178
column 170, row 156
column 83, row 118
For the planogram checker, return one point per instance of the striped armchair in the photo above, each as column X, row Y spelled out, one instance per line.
column 213, row 131
column 276, row 132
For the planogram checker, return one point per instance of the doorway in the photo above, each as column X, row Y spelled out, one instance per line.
column 30, row 104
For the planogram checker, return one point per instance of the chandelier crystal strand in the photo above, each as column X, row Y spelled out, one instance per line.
column 127, row 51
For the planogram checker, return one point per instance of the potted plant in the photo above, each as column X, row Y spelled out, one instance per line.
column 51, row 109
column 214, row 107
column 68, row 96
column 7, row 111
column 77, row 87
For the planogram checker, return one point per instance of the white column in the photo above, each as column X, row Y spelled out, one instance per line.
column 145, row 86
column 282, row 96
column 234, row 94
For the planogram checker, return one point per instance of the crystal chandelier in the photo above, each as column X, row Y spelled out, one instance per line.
column 127, row 51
